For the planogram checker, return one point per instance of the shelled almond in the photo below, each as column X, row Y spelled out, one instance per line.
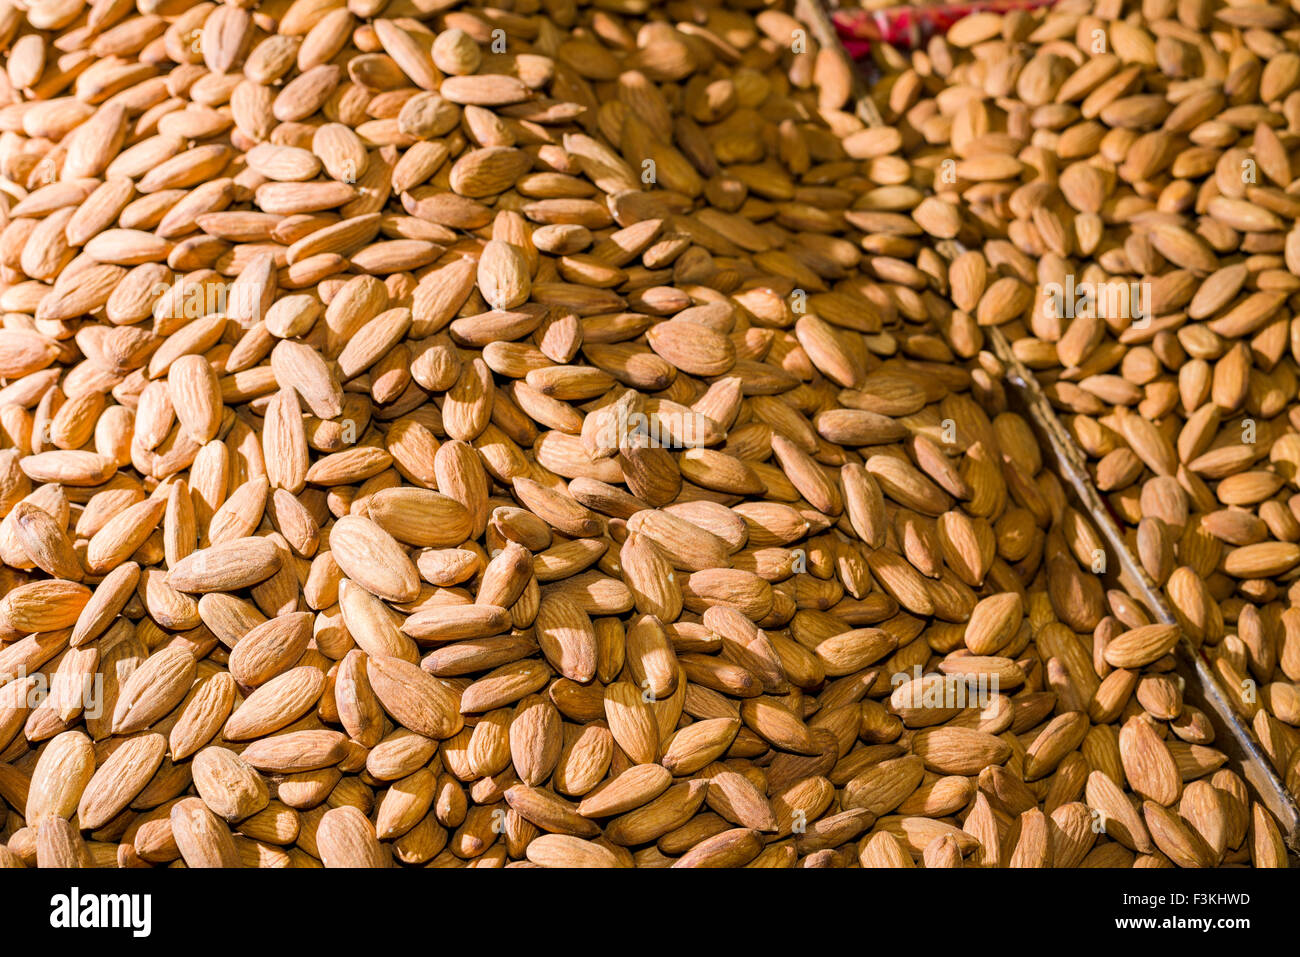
column 531, row 436
column 1141, row 155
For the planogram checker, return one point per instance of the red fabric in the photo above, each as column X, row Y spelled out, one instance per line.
column 911, row 27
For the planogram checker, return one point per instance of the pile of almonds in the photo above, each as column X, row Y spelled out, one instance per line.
column 1147, row 148
column 451, row 436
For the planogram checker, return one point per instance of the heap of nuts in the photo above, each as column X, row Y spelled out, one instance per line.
column 540, row 435
column 1124, row 180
